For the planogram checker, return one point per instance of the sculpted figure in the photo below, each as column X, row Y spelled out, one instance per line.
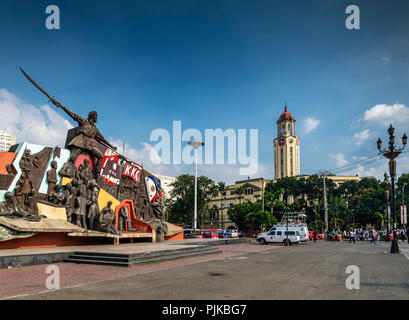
column 70, row 201
column 93, row 212
column 123, row 220
column 69, row 169
column 24, row 187
column 81, row 205
column 57, row 196
column 106, row 220
column 87, row 172
column 32, row 203
column 52, row 178
column 10, row 208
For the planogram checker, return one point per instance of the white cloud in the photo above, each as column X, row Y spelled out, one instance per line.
column 41, row 125
column 383, row 114
column 310, row 124
column 362, row 136
column 340, row 159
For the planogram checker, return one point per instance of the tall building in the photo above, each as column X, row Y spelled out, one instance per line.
column 6, row 141
column 286, row 147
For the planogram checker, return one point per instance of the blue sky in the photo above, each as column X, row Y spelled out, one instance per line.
column 217, row 64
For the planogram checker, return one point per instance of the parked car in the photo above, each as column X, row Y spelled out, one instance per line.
column 220, row 232
column 210, row 233
column 279, row 236
column 190, row 233
column 227, row 234
column 234, row 233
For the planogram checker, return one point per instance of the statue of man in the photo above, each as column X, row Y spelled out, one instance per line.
column 123, row 219
column 88, row 175
column 87, row 131
column 81, row 205
column 10, row 208
column 52, row 178
column 69, row 169
column 106, row 220
column 92, row 213
column 57, row 196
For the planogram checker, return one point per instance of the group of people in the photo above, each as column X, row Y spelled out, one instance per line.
column 371, row 234
column 80, row 198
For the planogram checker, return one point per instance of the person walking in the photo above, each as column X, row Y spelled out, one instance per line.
column 314, row 234
column 407, row 234
column 351, row 236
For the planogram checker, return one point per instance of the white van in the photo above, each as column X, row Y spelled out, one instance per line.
column 279, row 236
column 301, row 228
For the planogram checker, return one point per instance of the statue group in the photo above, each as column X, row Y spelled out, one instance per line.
column 79, row 197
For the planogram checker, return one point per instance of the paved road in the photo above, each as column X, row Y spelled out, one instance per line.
column 307, row 271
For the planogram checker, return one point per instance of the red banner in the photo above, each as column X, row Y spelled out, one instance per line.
column 133, row 170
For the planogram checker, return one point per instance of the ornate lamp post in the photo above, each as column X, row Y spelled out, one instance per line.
column 386, row 181
column 392, row 153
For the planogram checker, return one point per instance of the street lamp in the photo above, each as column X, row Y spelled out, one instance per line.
column 195, row 144
column 386, row 181
column 392, row 153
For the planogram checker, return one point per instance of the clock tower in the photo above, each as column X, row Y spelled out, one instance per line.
column 286, row 147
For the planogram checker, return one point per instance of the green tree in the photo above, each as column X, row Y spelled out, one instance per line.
column 221, row 188
column 180, row 206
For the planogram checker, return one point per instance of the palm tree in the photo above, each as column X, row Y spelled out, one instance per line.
column 239, row 192
column 221, row 186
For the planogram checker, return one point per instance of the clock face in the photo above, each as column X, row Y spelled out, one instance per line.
column 281, row 141
column 291, row 141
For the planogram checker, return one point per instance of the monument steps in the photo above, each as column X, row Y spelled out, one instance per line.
column 129, row 260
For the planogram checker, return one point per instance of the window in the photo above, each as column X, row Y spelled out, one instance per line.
column 289, row 128
column 272, row 233
column 279, row 233
column 290, row 233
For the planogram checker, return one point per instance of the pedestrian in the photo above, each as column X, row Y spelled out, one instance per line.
column 374, row 236
column 314, row 234
column 407, row 234
column 351, row 236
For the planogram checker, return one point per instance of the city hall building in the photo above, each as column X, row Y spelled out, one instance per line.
column 286, row 147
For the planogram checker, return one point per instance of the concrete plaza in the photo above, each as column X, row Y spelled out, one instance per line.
column 242, row 271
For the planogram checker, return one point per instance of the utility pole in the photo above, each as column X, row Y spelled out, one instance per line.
column 262, row 190
column 325, row 202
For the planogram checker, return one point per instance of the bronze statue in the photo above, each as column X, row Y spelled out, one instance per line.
column 92, row 213
column 57, row 196
column 52, row 178
column 81, row 205
column 24, row 187
column 123, row 219
column 87, row 172
column 70, row 193
column 11, row 209
column 69, row 169
column 32, row 203
column 87, row 131
column 106, row 220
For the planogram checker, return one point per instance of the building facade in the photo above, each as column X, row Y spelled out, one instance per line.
column 6, row 141
column 219, row 205
column 286, row 147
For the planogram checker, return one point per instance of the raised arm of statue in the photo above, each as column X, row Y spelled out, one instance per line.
column 73, row 115
column 100, row 137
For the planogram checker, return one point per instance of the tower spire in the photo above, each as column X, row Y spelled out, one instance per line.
column 285, row 108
